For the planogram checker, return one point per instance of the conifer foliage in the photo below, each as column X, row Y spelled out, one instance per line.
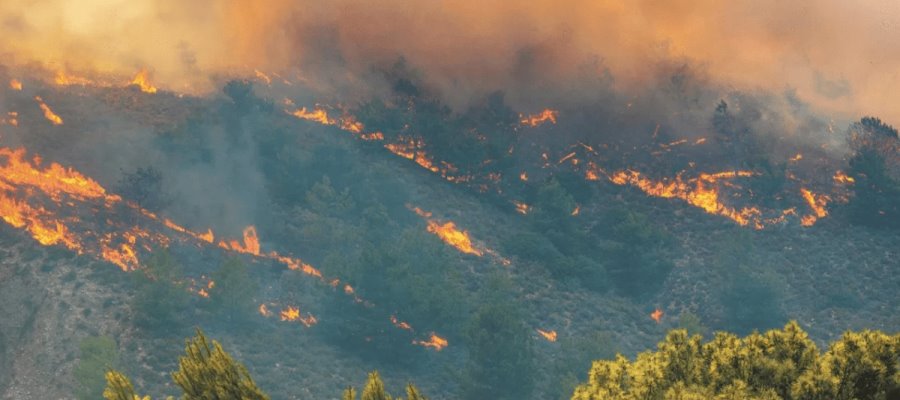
column 779, row 364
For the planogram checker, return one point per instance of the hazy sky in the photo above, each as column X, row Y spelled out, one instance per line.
column 841, row 56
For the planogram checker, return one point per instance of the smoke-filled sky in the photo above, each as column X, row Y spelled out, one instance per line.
column 841, row 56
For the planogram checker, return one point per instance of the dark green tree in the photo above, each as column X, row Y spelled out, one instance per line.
column 501, row 361
column 161, row 297
column 234, row 289
column 875, row 169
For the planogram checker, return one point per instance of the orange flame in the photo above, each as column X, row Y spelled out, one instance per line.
column 817, row 203
column 436, row 342
column 400, row 324
column 48, row 113
column 534, row 120
column 292, row 314
column 523, row 176
column 250, row 245
column 521, row 207
column 64, row 79
column 15, row 84
column 450, row 234
column 550, row 335
column 264, row 311
column 701, row 192
column 796, row 157
column 263, row 77
column 143, row 82
column 657, row 315
column 841, row 177
column 577, row 210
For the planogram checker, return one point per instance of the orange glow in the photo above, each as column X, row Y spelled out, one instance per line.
column 796, row 157
column 64, row 79
column 841, row 177
column 400, row 324
column 450, row 234
column 142, row 81
column 521, row 207
column 15, row 84
column 523, row 176
column 701, row 192
column 576, row 211
column 264, row 311
column 48, row 113
column 265, row 78
column 250, row 245
column 436, row 342
column 534, row 120
column 817, row 203
column 292, row 314
column 12, row 118
column 700, row 141
column 550, row 335
column 657, row 315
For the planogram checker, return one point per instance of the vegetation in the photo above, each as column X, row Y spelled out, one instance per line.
column 160, row 297
column 778, row 364
column 875, row 169
column 98, row 353
column 234, row 290
column 207, row 372
column 501, row 364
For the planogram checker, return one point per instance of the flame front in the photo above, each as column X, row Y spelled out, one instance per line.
column 15, row 84
column 550, row 335
column 657, row 315
column 450, row 234
column 436, row 342
column 817, row 203
column 143, row 82
column 48, row 113
column 534, row 120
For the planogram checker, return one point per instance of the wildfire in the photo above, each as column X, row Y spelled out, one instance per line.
column 701, row 192
column 12, row 118
column 657, row 315
column 842, row 178
column 521, row 207
column 346, row 122
column 436, row 342
column 450, row 234
column 15, row 84
column 48, row 113
column 796, row 157
column 292, row 314
column 250, row 245
column 534, row 120
column 400, row 324
column 264, row 311
column 577, row 210
column 523, row 176
column 262, row 76
column 142, row 81
column 550, row 335
column 64, row 79
column 817, row 203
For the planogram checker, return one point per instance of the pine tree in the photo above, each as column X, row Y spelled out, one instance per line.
column 207, row 372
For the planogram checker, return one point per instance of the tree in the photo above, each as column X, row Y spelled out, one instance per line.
column 374, row 390
column 875, row 169
column 160, row 296
column 501, row 364
column 207, row 372
column 98, row 354
column 234, row 289
column 778, row 364
column 634, row 247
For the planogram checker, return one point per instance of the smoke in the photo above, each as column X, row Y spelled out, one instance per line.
column 838, row 56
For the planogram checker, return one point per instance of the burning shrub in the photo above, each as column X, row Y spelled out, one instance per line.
column 875, row 170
